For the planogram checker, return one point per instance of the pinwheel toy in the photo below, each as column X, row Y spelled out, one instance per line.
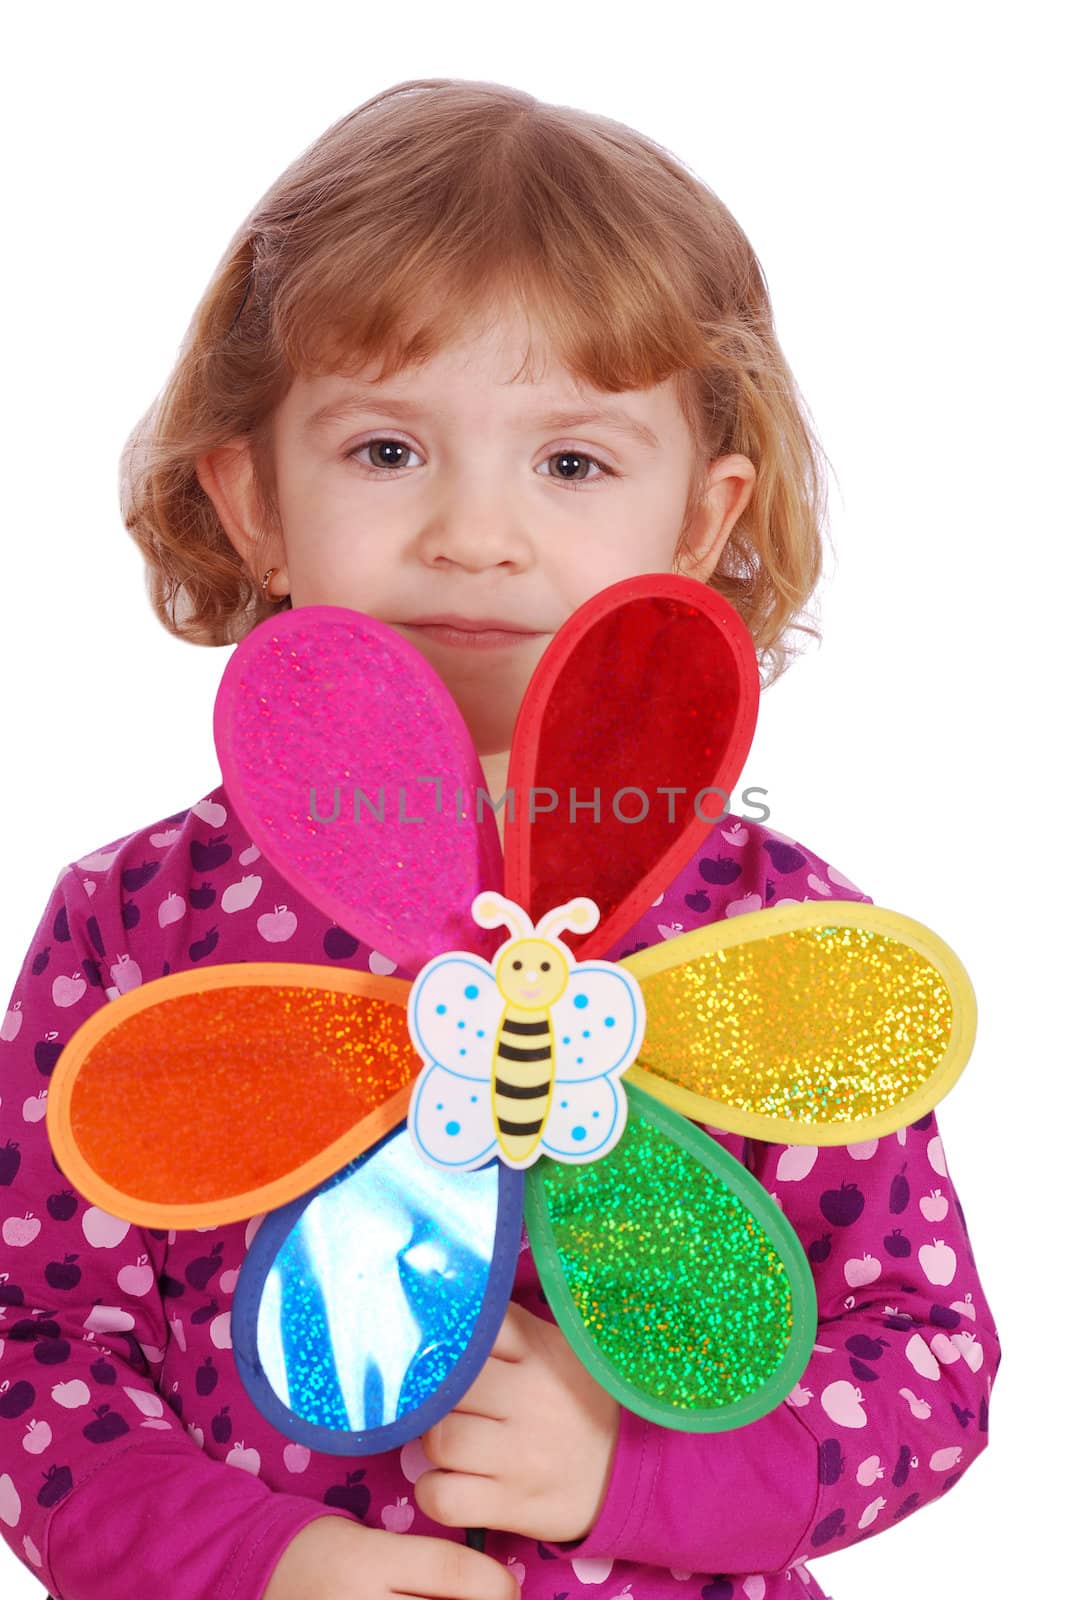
column 394, row 1126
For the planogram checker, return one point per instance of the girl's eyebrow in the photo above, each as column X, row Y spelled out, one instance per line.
column 359, row 400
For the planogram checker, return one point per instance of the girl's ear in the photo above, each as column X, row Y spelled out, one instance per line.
column 730, row 483
column 226, row 476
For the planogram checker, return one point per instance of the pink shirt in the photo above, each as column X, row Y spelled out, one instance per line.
column 131, row 1459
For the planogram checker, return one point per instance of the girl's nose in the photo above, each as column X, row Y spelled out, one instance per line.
column 475, row 532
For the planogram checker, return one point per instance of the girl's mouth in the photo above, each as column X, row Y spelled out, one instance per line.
column 471, row 638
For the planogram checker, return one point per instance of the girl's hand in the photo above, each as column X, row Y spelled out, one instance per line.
column 335, row 1559
column 530, row 1447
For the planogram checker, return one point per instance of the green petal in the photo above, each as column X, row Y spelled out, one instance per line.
column 673, row 1274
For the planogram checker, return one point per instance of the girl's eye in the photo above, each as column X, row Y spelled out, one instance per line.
column 580, row 455
column 396, row 445
column 393, row 448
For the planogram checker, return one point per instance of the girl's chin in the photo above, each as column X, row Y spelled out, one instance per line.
column 490, row 726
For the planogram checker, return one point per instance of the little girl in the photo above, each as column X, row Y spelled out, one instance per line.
column 356, row 419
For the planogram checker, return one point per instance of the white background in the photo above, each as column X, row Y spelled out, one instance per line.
column 901, row 173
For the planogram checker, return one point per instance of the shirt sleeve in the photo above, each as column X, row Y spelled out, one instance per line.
column 103, row 1493
column 891, row 1408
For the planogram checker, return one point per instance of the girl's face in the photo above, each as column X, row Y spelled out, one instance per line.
column 451, row 491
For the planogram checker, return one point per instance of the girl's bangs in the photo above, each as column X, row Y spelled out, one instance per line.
column 613, row 339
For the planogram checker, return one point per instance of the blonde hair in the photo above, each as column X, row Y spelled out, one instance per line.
column 441, row 197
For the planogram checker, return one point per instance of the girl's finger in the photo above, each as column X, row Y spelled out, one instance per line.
column 464, row 1442
column 494, row 1393
column 437, row 1569
column 511, row 1341
column 460, row 1499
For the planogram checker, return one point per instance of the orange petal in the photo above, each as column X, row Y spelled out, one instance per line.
column 212, row 1095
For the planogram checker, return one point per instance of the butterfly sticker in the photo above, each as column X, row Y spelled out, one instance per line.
column 391, row 1132
column 523, row 1053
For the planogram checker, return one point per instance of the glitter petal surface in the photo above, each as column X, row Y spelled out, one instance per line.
column 799, row 1025
column 674, row 1275
column 364, row 1314
column 322, row 706
column 261, row 1085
